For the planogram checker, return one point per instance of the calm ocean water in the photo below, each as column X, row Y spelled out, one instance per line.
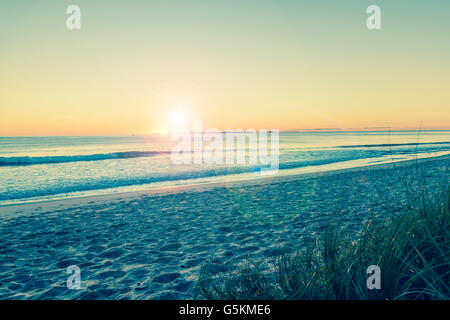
column 42, row 168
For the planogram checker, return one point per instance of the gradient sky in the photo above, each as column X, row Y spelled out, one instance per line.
column 232, row 64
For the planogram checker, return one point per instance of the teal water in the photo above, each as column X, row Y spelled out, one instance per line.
column 42, row 168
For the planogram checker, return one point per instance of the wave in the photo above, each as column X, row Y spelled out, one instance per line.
column 67, row 186
column 392, row 144
column 112, row 182
column 27, row 161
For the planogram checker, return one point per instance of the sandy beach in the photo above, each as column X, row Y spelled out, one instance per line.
column 152, row 244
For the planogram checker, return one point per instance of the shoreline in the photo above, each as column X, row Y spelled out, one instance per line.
column 11, row 210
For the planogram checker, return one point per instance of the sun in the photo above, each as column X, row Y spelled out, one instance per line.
column 178, row 118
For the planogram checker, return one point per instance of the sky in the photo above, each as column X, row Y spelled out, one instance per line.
column 139, row 67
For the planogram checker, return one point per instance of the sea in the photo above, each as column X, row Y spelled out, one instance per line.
column 43, row 168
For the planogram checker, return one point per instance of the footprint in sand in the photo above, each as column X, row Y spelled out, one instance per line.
column 114, row 253
column 170, row 247
column 66, row 262
column 166, row 278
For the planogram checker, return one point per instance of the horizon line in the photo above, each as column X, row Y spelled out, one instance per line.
column 331, row 130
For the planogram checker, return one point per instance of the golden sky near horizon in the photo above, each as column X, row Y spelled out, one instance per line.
column 139, row 67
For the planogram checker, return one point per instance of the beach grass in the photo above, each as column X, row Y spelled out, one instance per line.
column 411, row 249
